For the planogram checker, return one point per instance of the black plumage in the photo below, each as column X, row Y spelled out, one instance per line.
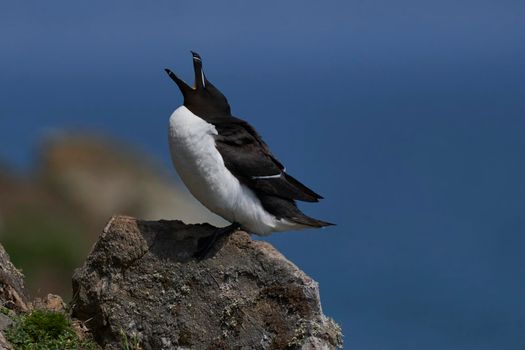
column 244, row 152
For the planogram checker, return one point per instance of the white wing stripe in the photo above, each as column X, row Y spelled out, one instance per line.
column 267, row 177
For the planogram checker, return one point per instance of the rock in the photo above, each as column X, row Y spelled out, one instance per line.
column 12, row 295
column 5, row 322
column 51, row 302
column 4, row 344
column 12, row 291
column 140, row 284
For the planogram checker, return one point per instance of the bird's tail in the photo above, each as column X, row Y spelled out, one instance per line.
column 287, row 209
column 309, row 221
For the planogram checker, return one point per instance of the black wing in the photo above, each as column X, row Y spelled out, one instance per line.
column 247, row 156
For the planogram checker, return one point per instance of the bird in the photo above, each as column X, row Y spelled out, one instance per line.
column 226, row 165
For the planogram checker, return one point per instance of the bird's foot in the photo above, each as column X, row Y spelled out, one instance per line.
column 205, row 244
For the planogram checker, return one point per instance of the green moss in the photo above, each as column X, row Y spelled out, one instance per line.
column 45, row 330
column 5, row 311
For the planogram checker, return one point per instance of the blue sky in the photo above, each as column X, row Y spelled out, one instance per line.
column 407, row 116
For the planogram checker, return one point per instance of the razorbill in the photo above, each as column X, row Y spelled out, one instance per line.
column 229, row 168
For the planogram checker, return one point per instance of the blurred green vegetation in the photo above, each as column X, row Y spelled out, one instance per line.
column 39, row 240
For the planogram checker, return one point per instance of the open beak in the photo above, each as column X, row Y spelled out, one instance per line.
column 200, row 79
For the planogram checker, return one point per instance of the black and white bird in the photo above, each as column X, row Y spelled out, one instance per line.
column 229, row 168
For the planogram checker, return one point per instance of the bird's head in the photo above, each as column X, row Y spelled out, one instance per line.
column 203, row 99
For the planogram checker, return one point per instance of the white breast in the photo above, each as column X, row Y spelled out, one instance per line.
column 202, row 170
